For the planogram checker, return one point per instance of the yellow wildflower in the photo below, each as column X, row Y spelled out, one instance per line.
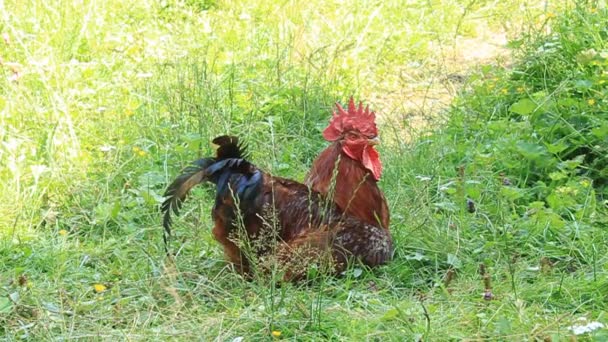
column 520, row 89
column 99, row 288
column 139, row 151
column 63, row 232
column 276, row 333
column 504, row 90
column 591, row 102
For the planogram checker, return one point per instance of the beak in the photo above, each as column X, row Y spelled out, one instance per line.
column 374, row 141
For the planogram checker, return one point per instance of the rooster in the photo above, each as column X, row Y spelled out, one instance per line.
column 281, row 218
column 350, row 167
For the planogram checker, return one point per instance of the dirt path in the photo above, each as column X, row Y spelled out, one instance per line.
column 425, row 93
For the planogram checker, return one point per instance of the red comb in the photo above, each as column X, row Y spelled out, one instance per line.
column 355, row 119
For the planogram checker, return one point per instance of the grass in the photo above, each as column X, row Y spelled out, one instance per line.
column 105, row 102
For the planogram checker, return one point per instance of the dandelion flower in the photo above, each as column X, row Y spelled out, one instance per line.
column 99, row 288
column 276, row 333
column 591, row 102
column 139, row 151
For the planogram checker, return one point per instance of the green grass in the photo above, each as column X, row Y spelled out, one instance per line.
column 104, row 102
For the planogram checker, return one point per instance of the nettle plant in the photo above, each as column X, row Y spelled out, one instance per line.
column 543, row 124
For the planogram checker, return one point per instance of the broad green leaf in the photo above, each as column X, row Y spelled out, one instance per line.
column 601, row 132
column 6, row 306
column 546, row 217
column 503, row 326
column 523, row 107
column 151, row 197
column 568, row 102
column 557, row 175
column 572, row 163
column 416, row 256
column 390, row 314
column 537, row 205
column 453, row 260
column 449, row 206
column 103, row 211
column 473, row 192
column 529, row 150
column 498, row 125
column 583, row 84
column 557, row 147
column 115, row 209
column 511, row 193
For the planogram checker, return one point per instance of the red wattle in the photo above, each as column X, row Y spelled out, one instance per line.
column 371, row 161
column 367, row 155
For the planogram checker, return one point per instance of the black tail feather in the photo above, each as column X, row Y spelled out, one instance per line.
column 230, row 147
column 178, row 191
column 204, row 169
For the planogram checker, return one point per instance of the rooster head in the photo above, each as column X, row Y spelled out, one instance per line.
column 355, row 129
